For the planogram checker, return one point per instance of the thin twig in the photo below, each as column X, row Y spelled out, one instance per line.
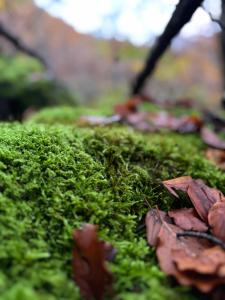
column 213, row 19
column 202, row 235
column 140, row 228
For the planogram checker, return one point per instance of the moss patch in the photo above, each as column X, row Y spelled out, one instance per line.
column 54, row 178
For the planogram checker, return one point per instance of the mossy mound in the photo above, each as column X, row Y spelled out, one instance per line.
column 55, row 178
column 66, row 115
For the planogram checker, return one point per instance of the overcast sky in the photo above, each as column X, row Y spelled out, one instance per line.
column 136, row 20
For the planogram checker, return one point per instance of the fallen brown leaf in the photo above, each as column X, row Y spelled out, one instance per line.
column 153, row 223
column 99, row 120
column 129, row 107
column 89, row 269
column 164, row 120
column 208, row 261
column 182, row 257
column 216, row 219
column 201, row 196
column 139, row 120
column 211, row 139
column 189, row 124
column 217, row 157
column 187, row 219
column 205, row 267
column 178, row 184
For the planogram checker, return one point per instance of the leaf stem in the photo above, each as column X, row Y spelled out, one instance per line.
column 202, row 235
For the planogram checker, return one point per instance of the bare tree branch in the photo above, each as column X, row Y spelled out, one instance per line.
column 182, row 15
column 20, row 45
column 213, row 19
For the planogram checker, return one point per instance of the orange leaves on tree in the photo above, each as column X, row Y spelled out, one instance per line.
column 89, row 267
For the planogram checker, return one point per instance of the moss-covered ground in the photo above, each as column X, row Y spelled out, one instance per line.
column 54, row 178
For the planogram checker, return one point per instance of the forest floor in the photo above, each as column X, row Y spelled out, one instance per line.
column 57, row 174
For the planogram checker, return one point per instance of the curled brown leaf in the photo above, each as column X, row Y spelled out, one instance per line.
column 178, row 184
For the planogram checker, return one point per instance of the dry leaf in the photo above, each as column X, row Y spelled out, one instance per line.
column 139, row 120
column 99, row 120
column 201, row 196
column 187, row 219
column 206, row 262
column 211, row 139
column 89, row 269
column 216, row 219
column 153, row 223
column 189, row 124
column 129, row 107
column 217, row 157
column 179, row 184
column 163, row 120
column 182, row 257
column 183, row 124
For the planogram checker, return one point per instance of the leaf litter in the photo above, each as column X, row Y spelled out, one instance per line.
column 189, row 242
column 195, row 258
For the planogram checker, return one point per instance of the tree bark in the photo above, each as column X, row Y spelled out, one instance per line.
column 182, row 15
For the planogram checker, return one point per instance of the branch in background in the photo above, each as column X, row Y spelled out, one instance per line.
column 182, row 15
column 215, row 20
column 17, row 43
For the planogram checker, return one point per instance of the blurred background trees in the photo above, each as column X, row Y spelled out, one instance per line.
column 100, row 65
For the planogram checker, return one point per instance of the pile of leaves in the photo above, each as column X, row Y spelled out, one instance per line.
column 189, row 242
column 128, row 113
column 183, row 247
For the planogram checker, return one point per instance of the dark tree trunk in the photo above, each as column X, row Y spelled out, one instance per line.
column 182, row 15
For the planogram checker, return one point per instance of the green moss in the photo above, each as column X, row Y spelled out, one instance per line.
column 55, row 178
column 62, row 114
